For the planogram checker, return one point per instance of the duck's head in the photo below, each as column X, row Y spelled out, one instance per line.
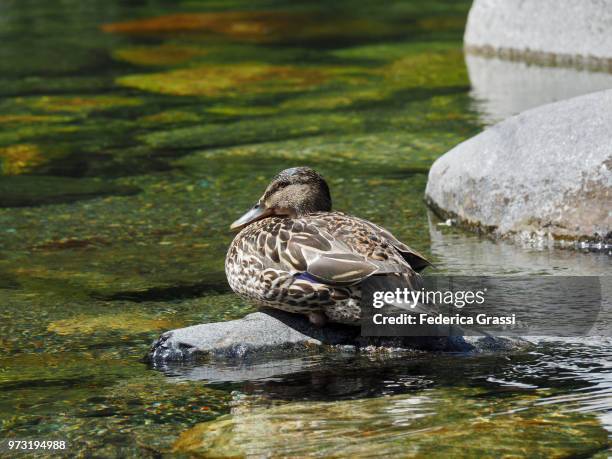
column 292, row 193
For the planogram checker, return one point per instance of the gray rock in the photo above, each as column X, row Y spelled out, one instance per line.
column 259, row 333
column 576, row 32
column 545, row 174
column 276, row 333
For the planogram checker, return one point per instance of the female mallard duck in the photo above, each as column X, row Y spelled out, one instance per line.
column 293, row 253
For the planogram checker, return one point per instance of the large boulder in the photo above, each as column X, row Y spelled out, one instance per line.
column 574, row 32
column 274, row 333
column 545, row 174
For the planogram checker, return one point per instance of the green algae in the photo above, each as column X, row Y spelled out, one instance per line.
column 24, row 118
column 131, row 322
column 443, row 71
column 252, row 130
column 428, row 70
column 79, row 104
column 131, row 150
column 238, row 79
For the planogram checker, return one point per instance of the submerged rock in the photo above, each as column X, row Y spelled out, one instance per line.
column 19, row 159
column 545, row 174
column 274, row 332
column 221, row 80
column 432, row 423
column 578, row 33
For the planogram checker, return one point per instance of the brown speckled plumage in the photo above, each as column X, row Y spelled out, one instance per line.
column 315, row 262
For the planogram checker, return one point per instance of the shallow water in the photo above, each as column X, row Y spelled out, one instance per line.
column 131, row 134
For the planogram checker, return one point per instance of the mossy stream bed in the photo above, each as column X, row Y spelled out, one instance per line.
column 133, row 133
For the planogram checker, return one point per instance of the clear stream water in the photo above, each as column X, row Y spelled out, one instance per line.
column 133, row 133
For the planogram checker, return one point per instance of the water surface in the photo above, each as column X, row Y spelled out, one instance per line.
column 132, row 134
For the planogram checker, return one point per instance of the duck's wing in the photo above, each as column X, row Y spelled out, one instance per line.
column 312, row 249
column 416, row 261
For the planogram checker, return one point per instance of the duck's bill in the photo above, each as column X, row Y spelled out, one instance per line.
column 255, row 213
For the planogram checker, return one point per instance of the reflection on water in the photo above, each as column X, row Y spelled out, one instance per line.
column 410, row 406
column 503, row 88
column 468, row 254
column 459, row 252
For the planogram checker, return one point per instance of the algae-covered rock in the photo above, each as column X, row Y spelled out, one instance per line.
column 239, row 79
column 253, row 130
column 432, row 423
column 21, row 158
column 336, row 99
column 415, row 70
column 421, row 70
column 130, row 322
column 241, row 111
column 23, row 118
